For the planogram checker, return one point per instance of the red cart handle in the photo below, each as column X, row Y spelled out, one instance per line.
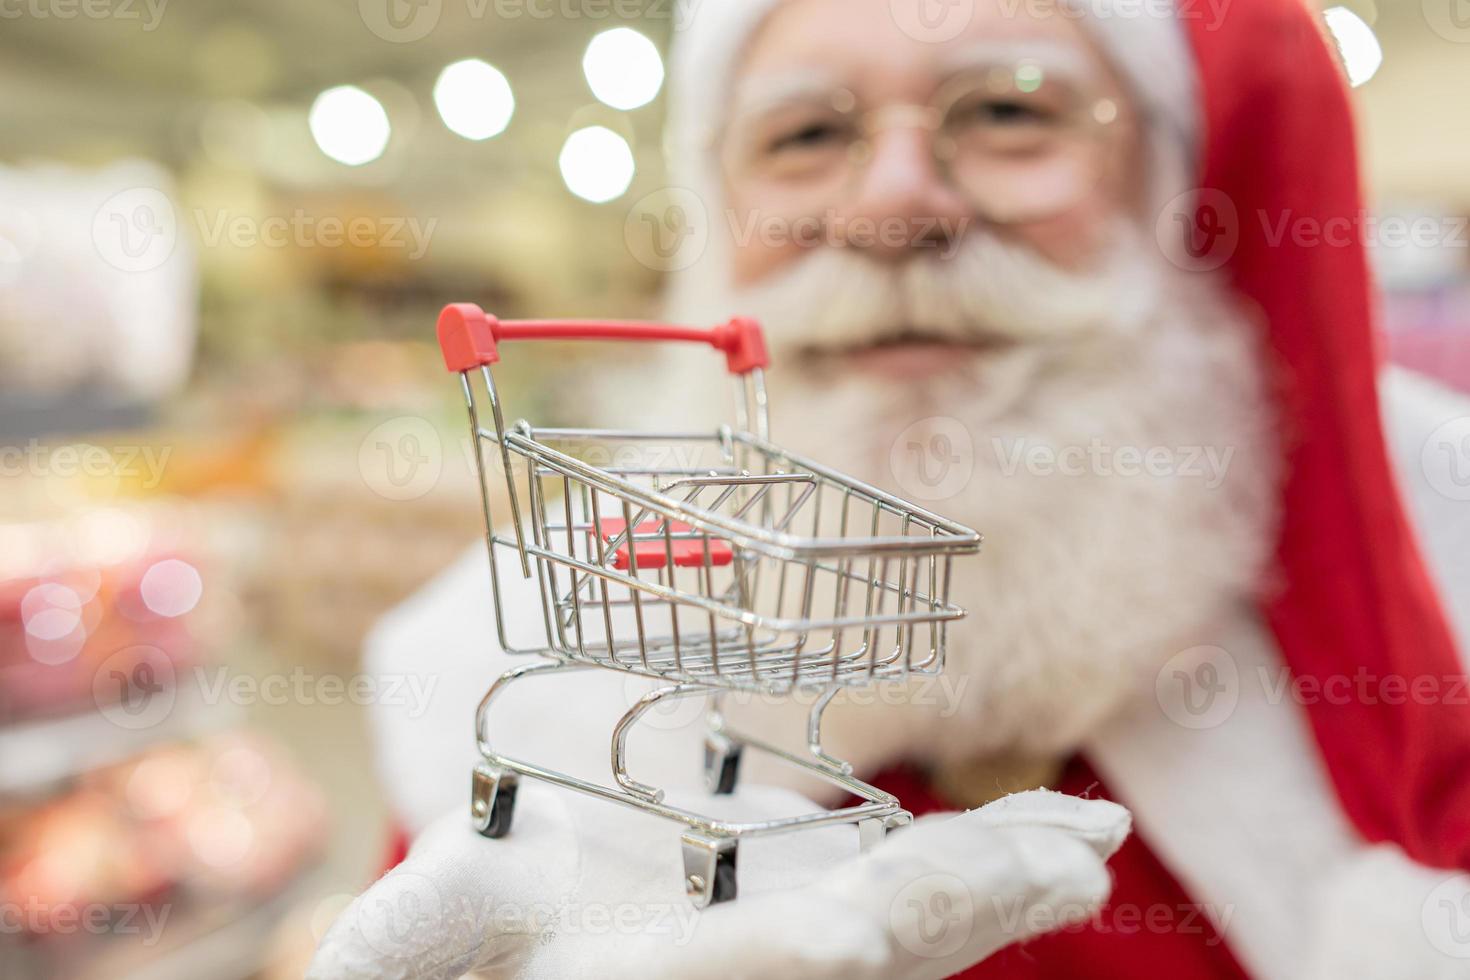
column 470, row 337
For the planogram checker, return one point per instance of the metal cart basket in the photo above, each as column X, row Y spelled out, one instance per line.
column 712, row 561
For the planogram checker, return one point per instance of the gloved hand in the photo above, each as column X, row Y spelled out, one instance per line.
column 581, row 887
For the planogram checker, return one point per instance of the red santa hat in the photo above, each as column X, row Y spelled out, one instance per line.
column 1354, row 597
column 1249, row 111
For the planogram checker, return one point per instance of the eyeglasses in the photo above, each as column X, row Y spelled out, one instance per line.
column 1020, row 144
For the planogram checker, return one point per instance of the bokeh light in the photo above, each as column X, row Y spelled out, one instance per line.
column 474, row 99
column 623, row 68
column 1362, row 55
column 171, row 588
column 349, row 125
column 50, row 611
column 597, row 164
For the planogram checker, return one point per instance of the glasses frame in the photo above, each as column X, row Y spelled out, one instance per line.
column 1094, row 118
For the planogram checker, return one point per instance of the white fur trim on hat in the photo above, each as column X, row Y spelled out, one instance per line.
column 708, row 42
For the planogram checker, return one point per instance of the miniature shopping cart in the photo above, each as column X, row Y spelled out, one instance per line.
column 711, row 562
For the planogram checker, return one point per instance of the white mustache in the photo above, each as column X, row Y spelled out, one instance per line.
column 987, row 289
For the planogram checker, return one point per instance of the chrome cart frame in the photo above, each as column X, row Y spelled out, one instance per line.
column 728, row 565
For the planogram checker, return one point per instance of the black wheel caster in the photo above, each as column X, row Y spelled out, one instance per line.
column 493, row 801
column 709, row 869
column 721, row 764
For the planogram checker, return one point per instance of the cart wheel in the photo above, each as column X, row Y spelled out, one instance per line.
column 721, row 764
column 493, row 801
column 709, row 869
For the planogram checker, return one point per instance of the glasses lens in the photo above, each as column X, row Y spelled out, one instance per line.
column 795, row 146
column 1021, row 145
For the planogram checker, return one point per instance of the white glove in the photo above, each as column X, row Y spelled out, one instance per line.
column 581, row 887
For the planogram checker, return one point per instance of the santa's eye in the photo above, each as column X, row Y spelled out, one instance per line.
column 812, row 135
column 1000, row 113
column 1010, row 112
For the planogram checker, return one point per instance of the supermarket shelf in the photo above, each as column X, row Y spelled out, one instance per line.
column 44, row 754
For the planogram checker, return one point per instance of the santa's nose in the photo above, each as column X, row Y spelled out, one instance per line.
column 902, row 206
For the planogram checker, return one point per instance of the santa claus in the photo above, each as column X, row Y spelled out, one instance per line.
column 1020, row 258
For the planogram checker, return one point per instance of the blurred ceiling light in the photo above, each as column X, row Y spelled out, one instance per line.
column 349, row 125
column 1361, row 53
column 474, row 99
column 597, row 164
column 623, row 68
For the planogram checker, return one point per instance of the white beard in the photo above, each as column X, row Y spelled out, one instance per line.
column 1087, row 583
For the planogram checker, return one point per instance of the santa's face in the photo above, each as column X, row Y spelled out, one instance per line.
column 901, row 206
column 966, row 259
column 858, row 127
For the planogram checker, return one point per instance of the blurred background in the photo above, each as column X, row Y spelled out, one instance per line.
column 227, row 443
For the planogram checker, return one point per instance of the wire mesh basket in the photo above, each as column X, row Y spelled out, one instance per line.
column 715, row 561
